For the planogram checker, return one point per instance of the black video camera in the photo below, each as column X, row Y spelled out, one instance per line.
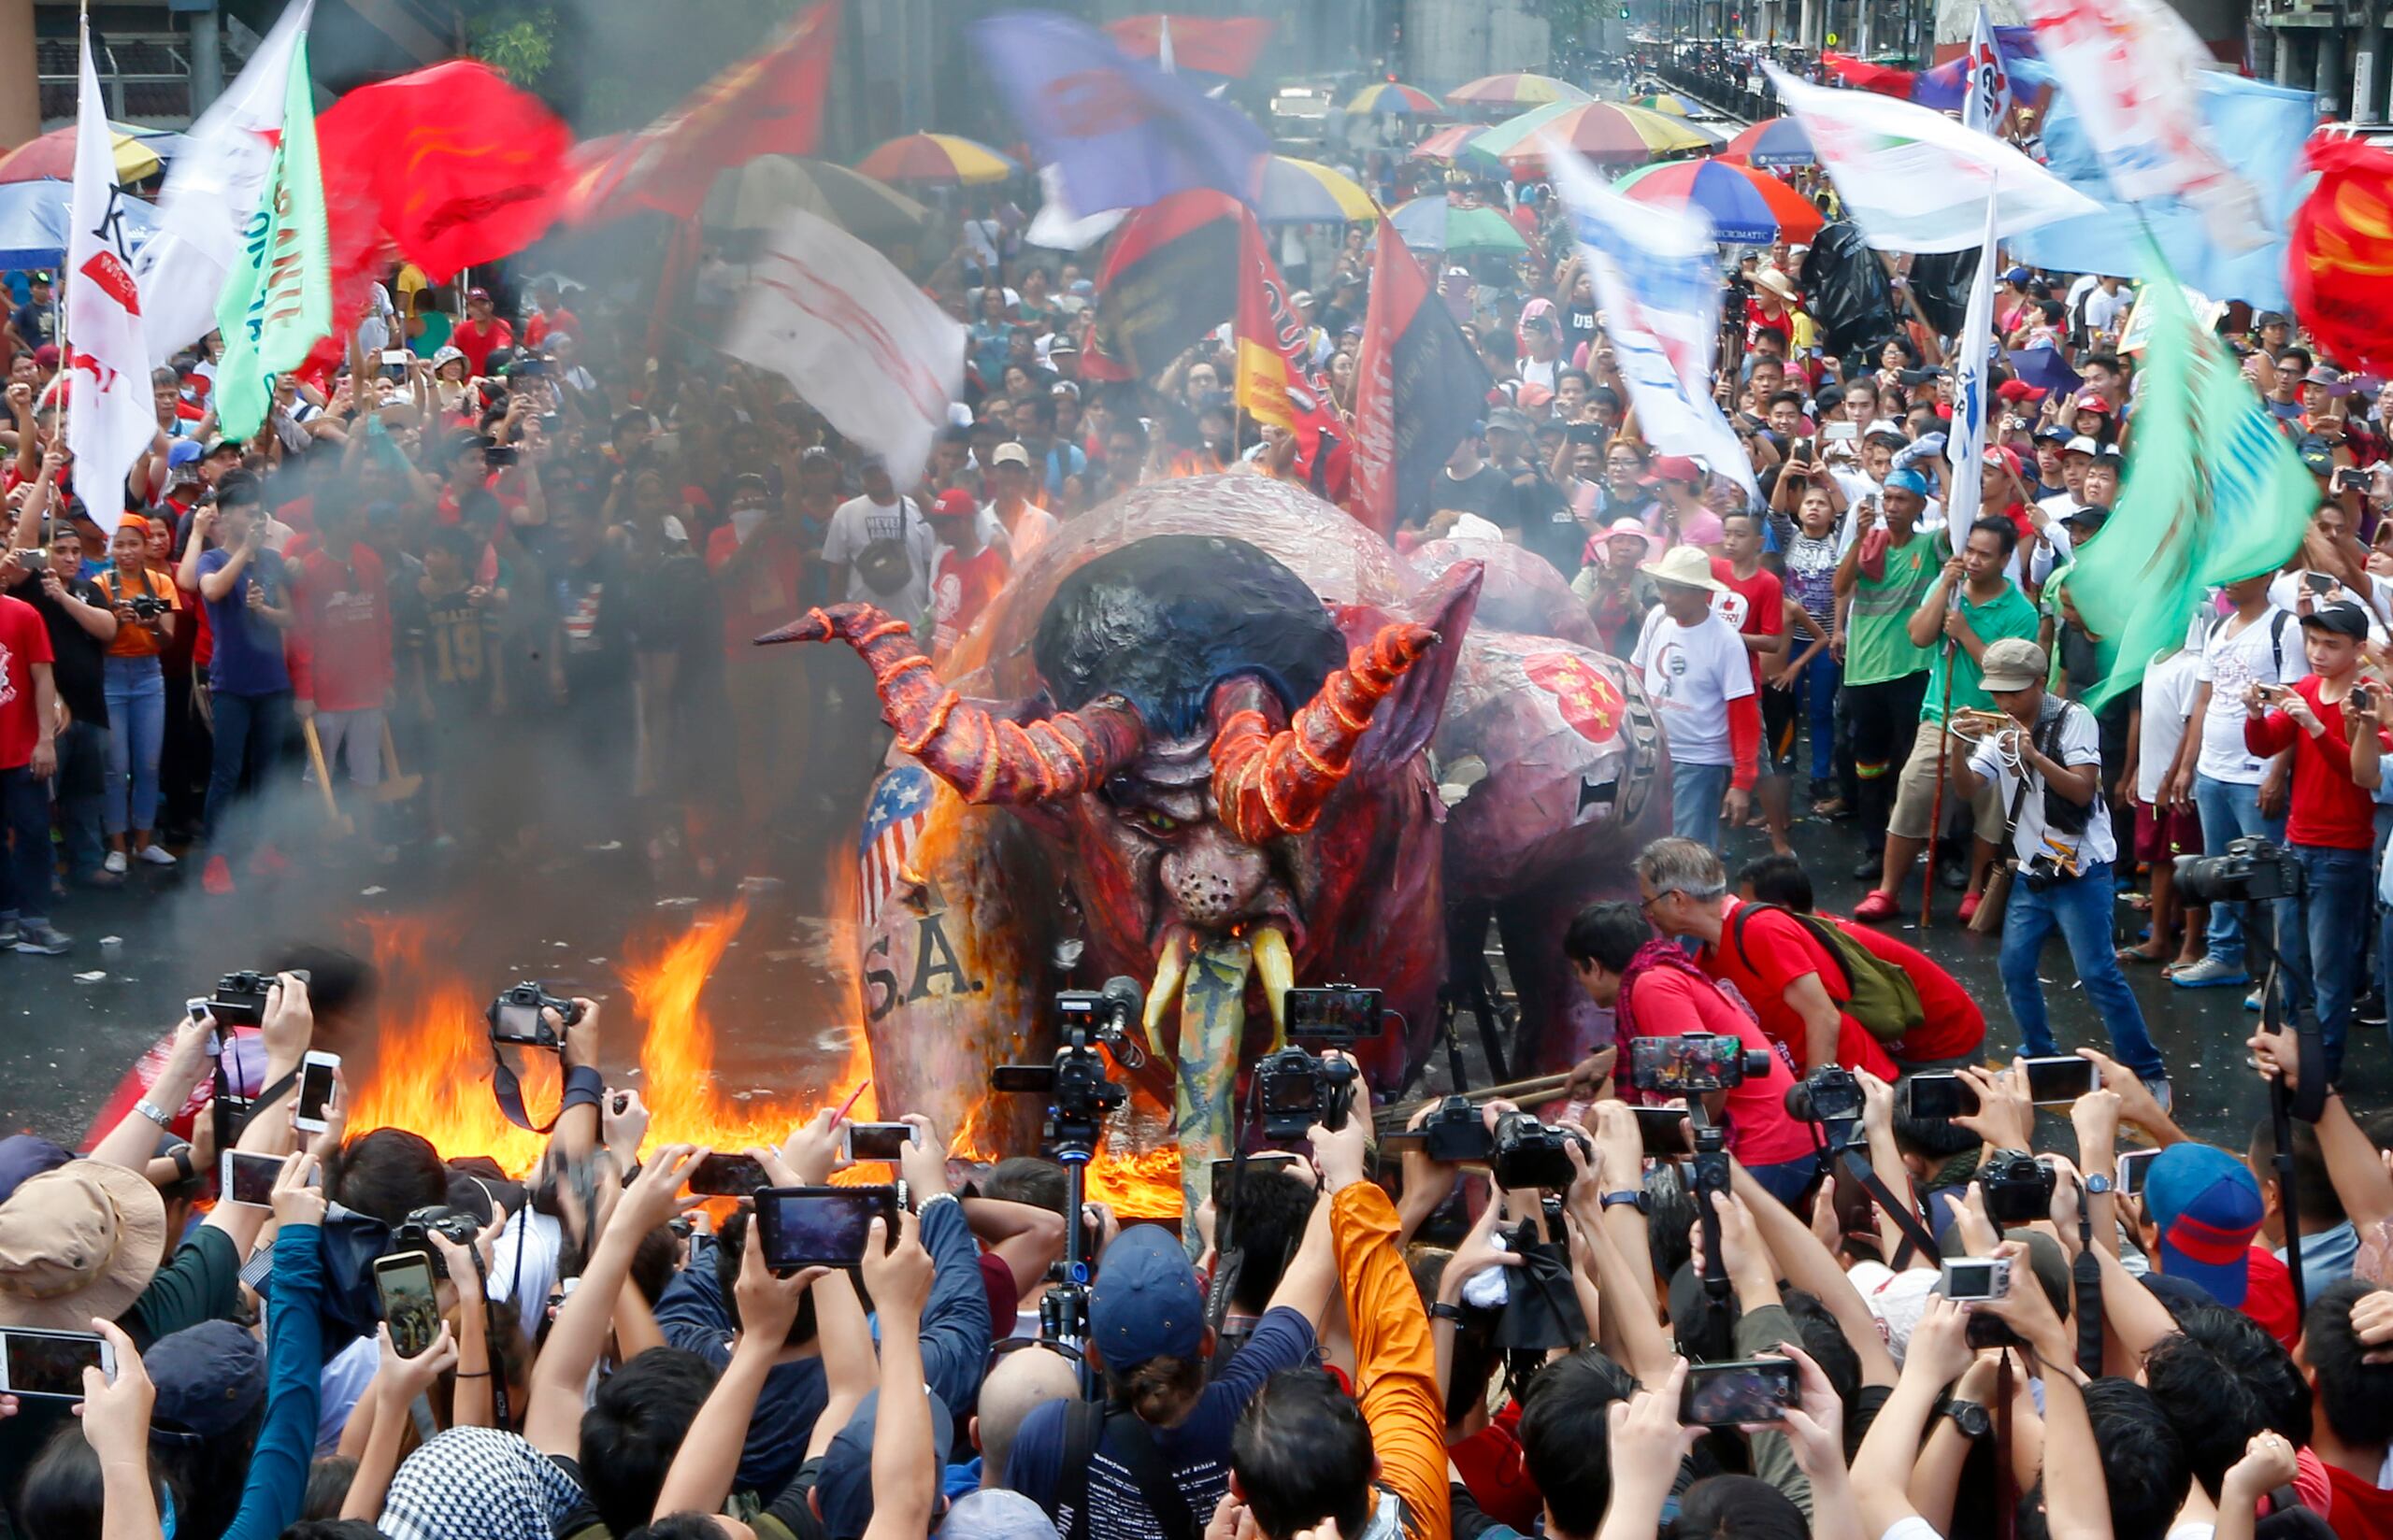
column 2250, row 869
column 240, row 997
column 1694, row 1063
column 1078, row 1092
column 1451, row 1135
column 1297, row 1089
column 2018, row 1188
column 515, row 1016
column 1829, row 1093
column 415, row 1232
column 1532, row 1154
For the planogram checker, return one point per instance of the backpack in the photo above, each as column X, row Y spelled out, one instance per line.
column 2278, row 619
column 1878, row 993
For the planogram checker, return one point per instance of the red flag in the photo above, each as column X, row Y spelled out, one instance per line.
column 769, row 104
column 1418, row 386
column 1210, row 45
column 1865, row 76
column 2340, row 253
column 1277, row 382
column 1170, row 278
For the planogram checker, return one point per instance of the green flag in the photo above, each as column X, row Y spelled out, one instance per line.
column 278, row 299
column 2215, row 494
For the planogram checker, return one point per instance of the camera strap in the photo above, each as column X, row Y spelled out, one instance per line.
column 2085, row 1277
column 1087, row 1425
column 2006, row 1502
column 1916, row 1236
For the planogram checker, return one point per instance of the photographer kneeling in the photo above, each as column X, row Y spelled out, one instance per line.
column 2044, row 759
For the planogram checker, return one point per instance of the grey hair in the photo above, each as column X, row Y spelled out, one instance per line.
column 1681, row 865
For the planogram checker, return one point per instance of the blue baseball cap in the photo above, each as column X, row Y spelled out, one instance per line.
column 183, row 451
column 208, row 1378
column 2207, row 1206
column 27, row 1155
column 1146, row 1302
column 843, row 1487
column 1908, row 480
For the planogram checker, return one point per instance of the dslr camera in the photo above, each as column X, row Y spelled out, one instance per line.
column 1527, row 1153
column 1453, row 1133
column 515, row 1016
column 2248, row 870
column 1697, row 1062
column 240, row 997
column 147, row 607
column 1298, row 1088
column 1828, row 1095
column 2047, row 871
column 415, row 1232
column 2018, row 1188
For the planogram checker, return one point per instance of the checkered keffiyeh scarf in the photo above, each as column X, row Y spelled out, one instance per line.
column 477, row 1484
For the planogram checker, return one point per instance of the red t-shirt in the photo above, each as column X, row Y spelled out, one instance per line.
column 962, row 588
column 2268, row 1297
column 1669, row 1004
column 766, row 594
column 478, row 342
column 1954, row 1028
column 341, row 657
column 1765, row 600
column 25, row 641
column 1777, row 952
column 1493, row 1466
column 537, row 329
column 2328, row 809
column 2363, row 1510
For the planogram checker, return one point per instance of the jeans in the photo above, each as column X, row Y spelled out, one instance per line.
column 1818, row 688
column 24, row 821
column 2080, row 909
column 251, row 731
column 1786, row 1180
column 2324, row 936
column 2228, row 809
column 136, row 692
column 1696, row 791
column 82, row 776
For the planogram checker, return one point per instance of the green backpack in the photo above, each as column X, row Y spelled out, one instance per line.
column 1879, row 994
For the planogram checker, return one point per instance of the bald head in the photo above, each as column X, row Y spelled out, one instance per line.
column 1023, row 1381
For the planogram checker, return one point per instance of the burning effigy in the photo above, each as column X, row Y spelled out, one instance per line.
column 1220, row 738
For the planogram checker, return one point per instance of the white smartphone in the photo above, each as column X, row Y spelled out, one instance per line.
column 52, row 1363
column 246, row 1178
column 2131, row 1170
column 315, row 1092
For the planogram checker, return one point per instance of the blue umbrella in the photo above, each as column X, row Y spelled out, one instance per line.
column 1422, row 222
column 35, row 217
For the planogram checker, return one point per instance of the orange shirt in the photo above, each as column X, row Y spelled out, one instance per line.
column 1396, row 1364
column 134, row 640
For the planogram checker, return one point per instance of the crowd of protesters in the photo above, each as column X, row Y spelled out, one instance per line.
column 505, row 517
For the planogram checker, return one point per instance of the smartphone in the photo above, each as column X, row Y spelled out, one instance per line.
column 315, row 1092
column 2350, row 478
column 1841, row 432
column 403, row 1284
column 197, row 1008
column 1663, row 1131
column 728, row 1177
column 498, row 455
column 2362, row 698
column 2058, row 1082
column 2319, row 582
column 876, row 1141
column 2132, row 1166
column 52, row 1363
column 1278, row 1163
column 1038, row 1078
column 821, row 1226
column 1804, row 449
column 1724, row 1396
column 1941, row 1094
column 1975, row 1277
column 395, row 362
column 244, row 1176
column 1338, row 1013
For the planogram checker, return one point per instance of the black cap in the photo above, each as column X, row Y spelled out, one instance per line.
column 2343, row 618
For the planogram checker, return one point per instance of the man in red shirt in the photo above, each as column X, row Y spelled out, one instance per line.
column 1762, row 600
column 967, row 573
column 28, row 757
column 341, row 646
column 2335, row 726
column 2352, row 1403
column 480, row 334
column 1794, row 986
column 549, row 316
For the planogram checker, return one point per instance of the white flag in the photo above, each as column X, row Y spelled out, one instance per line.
column 863, row 345
column 1057, row 227
column 1914, row 180
column 211, row 190
column 1986, row 94
column 1658, row 288
column 110, row 415
column 1966, row 445
column 2131, row 69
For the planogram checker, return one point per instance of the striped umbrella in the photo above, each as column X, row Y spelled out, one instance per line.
column 1395, row 99
column 945, row 159
column 1670, row 102
column 53, row 155
column 1746, row 207
column 1454, row 144
column 1771, row 142
column 1600, row 131
column 1433, row 224
column 1517, row 90
column 1298, row 191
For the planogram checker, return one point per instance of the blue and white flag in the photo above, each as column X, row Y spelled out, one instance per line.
column 1658, row 289
column 1122, row 132
column 1986, row 91
column 1967, row 442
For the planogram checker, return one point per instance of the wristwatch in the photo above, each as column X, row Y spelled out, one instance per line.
column 1633, row 1196
column 1441, row 1310
column 1969, row 1417
column 2097, row 1184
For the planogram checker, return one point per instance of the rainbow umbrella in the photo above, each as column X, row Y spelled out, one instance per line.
column 1771, row 142
column 1600, row 131
column 1670, row 103
column 1517, row 90
column 1395, row 99
column 52, row 156
column 1454, row 144
column 1298, row 191
column 1434, row 225
column 1746, row 207
column 945, row 159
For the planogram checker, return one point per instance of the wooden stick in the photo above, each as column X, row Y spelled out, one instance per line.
column 1516, row 1091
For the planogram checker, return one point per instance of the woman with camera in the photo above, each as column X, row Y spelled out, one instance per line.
column 146, row 608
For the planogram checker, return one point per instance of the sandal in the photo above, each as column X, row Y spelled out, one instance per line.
column 2141, row 958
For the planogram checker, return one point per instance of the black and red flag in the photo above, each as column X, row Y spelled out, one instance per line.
column 1171, row 276
column 1418, row 387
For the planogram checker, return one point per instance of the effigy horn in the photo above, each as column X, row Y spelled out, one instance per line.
column 1267, row 783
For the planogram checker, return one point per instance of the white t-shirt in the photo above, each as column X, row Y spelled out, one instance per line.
column 1691, row 674
column 2167, row 700
column 1912, row 1527
column 2080, row 743
column 1032, row 527
column 2229, row 663
column 857, row 523
column 2103, row 312
column 2285, row 592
